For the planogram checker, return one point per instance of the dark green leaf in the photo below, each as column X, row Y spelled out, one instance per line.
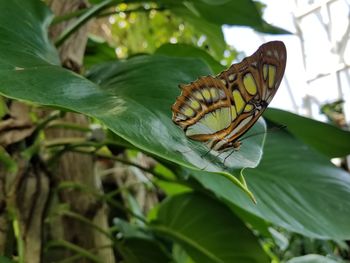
column 270, row 29
column 326, row 138
column 184, row 50
column 98, row 52
column 127, row 230
column 23, row 36
column 139, row 250
column 138, row 245
column 238, row 12
column 207, row 230
column 180, row 255
column 255, row 221
column 5, row 260
column 296, row 188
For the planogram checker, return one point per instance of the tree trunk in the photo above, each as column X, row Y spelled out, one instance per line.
column 75, row 167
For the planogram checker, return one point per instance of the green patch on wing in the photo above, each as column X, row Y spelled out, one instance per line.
column 211, row 122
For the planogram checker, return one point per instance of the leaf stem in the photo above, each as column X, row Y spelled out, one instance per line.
column 83, row 252
column 240, row 184
column 85, row 16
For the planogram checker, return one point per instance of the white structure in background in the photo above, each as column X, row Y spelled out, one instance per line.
column 318, row 68
column 328, row 65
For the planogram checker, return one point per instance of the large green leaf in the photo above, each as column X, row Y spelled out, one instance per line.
column 5, row 260
column 234, row 12
column 133, row 98
column 141, row 250
column 23, row 36
column 97, row 51
column 324, row 137
column 295, row 187
column 144, row 88
column 180, row 255
column 207, row 230
column 185, row 50
column 138, row 245
column 237, row 12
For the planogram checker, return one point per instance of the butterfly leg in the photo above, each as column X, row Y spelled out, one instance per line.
column 206, row 153
column 233, row 150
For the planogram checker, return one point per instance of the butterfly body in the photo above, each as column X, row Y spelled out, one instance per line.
column 219, row 110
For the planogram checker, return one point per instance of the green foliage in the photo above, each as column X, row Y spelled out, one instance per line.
column 97, row 51
column 328, row 139
column 182, row 218
column 142, row 28
column 184, row 50
column 7, row 162
column 298, row 176
column 5, row 260
column 313, row 259
column 294, row 244
column 205, row 217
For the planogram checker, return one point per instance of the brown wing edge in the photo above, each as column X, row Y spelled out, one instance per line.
column 260, row 56
column 186, row 95
column 256, row 56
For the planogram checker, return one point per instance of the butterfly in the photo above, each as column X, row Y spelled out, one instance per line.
column 219, row 110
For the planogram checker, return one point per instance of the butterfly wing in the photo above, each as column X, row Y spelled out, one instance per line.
column 203, row 108
column 218, row 110
column 252, row 84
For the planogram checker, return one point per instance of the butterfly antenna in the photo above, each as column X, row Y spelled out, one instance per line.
column 273, row 129
column 228, row 156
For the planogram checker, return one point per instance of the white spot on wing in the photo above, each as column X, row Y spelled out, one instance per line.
column 180, row 117
column 231, row 77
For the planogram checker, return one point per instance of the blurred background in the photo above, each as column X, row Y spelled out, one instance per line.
column 318, row 73
column 317, row 77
